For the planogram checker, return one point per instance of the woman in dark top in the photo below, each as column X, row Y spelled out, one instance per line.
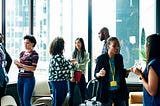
column 111, row 75
column 151, row 76
column 27, row 65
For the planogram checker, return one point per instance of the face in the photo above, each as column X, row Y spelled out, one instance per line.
column 78, row 44
column 28, row 45
column 1, row 38
column 101, row 36
column 146, row 46
column 113, row 47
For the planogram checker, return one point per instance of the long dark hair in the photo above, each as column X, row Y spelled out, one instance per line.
column 153, row 47
column 82, row 48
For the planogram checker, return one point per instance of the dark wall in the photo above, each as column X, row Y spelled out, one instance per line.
column 12, row 90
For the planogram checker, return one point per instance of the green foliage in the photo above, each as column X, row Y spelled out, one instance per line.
column 143, row 37
column 143, row 54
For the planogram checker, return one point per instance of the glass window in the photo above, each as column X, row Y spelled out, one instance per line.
column 129, row 20
column 17, row 25
column 52, row 18
column 1, row 17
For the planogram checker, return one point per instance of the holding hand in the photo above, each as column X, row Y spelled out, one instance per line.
column 75, row 60
column 137, row 71
column 101, row 73
column 18, row 64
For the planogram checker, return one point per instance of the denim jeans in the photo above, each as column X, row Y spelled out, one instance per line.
column 25, row 87
column 59, row 91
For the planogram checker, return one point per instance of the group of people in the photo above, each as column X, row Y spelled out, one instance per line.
column 111, row 74
column 109, row 71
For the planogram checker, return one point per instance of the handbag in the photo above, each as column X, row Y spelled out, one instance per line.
column 77, row 75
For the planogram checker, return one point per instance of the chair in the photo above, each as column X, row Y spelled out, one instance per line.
column 8, row 100
column 92, row 88
column 42, row 93
column 136, row 98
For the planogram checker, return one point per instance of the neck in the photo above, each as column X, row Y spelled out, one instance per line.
column 79, row 51
column 28, row 51
column 111, row 55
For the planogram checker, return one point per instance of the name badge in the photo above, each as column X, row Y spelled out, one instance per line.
column 113, row 83
column 22, row 70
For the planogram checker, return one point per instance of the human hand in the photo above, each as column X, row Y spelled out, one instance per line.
column 72, row 79
column 75, row 60
column 101, row 73
column 137, row 71
column 16, row 62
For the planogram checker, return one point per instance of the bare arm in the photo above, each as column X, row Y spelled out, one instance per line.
column 25, row 67
column 152, row 85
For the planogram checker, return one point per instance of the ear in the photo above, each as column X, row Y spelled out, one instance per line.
column 32, row 44
column 107, row 46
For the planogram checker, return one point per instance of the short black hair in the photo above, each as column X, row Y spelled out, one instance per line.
column 105, row 30
column 31, row 38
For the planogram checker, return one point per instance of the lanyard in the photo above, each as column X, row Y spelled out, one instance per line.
column 79, row 58
column 112, row 70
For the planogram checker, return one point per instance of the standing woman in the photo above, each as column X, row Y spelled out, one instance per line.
column 27, row 65
column 80, row 58
column 59, row 71
column 111, row 75
column 151, row 76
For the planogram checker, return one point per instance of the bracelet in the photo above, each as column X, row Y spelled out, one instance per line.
column 140, row 78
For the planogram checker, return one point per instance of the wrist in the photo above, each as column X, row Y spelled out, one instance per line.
column 141, row 77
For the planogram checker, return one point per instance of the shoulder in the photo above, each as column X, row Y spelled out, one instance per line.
column 86, row 53
column 119, row 56
column 102, row 56
column 155, row 63
column 34, row 53
column 21, row 53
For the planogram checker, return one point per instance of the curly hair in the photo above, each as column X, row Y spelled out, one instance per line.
column 31, row 38
column 56, row 46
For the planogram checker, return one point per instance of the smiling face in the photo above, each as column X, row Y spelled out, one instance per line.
column 113, row 47
column 1, row 38
column 78, row 45
column 28, row 45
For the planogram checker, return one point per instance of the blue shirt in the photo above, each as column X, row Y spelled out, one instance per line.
column 104, row 49
column 149, row 100
column 111, row 72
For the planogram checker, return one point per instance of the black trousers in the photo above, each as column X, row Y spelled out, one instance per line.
column 82, row 88
column 2, row 90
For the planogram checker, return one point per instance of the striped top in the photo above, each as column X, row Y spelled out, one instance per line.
column 30, row 59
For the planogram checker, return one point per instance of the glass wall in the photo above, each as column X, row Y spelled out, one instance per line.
column 129, row 20
column 17, row 25
column 51, row 18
